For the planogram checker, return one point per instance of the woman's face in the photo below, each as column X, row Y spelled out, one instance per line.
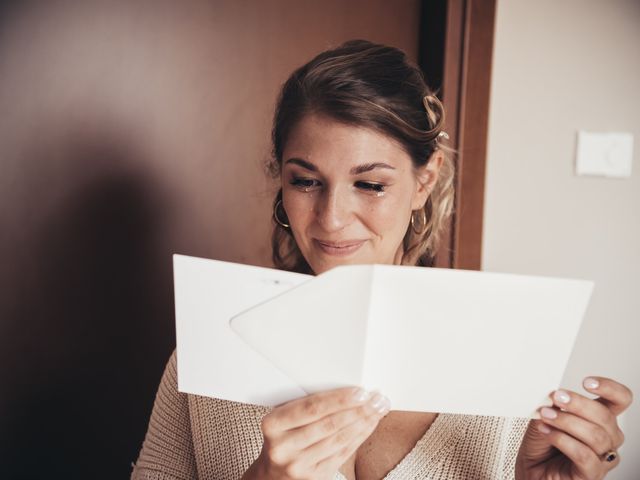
column 349, row 192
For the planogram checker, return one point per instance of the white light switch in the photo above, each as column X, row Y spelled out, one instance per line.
column 604, row 154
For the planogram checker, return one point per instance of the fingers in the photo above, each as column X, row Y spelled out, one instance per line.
column 597, row 412
column 591, row 434
column 318, row 429
column 586, row 463
column 614, row 395
column 584, row 429
column 312, row 408
column 303, row 437
column 335, row 441
column 334, row 451
column 592, row 411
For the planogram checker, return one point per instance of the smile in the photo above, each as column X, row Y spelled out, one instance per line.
column 339, row 248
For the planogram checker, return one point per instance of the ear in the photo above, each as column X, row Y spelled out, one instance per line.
column 426, row 178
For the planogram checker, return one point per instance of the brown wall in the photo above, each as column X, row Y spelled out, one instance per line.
column 129, row 131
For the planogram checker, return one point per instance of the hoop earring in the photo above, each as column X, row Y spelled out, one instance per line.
column 275, row 215
column 424, row 222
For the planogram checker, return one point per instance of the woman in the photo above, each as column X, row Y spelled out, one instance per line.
column 357, row 145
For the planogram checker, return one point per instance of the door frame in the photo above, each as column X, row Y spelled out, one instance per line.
column 465, row 60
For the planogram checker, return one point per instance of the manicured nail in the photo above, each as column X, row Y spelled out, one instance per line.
column 542, row 428
column 549, row 413
column 360, row 395
column 380, row 403
column 591, row 383
column 385, row 407
column 561, row 396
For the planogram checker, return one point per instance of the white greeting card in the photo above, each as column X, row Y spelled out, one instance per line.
column 430, row 339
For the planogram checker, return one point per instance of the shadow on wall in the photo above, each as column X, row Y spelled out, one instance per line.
column 87, row 320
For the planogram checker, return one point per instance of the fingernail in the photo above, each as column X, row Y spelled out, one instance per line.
column 380, row 403
column 549, row 413
column 542, row 428
column 360, row 395
column 591, row 383
column 561, row 396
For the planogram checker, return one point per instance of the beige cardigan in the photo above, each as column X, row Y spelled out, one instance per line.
column 193, row 437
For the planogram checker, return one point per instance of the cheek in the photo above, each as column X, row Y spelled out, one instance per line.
column 388, row 216
column 299, row 208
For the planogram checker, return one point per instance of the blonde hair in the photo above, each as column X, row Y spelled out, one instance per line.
column 375, row 86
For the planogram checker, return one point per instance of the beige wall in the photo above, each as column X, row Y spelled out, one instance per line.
column 560, row 67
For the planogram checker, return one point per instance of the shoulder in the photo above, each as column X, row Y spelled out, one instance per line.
column 225, row 415
column 207, row 425
column 231, row 429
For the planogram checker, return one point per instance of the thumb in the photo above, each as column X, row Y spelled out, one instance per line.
column 535, row 444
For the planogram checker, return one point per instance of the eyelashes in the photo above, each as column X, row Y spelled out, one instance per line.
column 304, row 184
column 309, row 184
column 374, row 187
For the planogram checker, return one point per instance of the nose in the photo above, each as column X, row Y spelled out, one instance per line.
column 334, row 210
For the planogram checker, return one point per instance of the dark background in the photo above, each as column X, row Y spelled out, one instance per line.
column 130, row 131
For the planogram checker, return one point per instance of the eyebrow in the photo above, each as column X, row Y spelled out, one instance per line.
column 366, row 167
column 303, row 163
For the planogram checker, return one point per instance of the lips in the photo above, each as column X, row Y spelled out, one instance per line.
column 342, row 248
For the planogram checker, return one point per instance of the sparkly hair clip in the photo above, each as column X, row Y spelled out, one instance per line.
column 426, row 100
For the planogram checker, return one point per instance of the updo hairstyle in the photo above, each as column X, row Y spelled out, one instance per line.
column 367, row 85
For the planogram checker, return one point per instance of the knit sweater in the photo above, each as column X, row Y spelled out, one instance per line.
column 195, row 437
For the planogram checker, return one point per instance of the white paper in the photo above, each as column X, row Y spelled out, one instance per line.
column 435, row 340
column 212, row 360
column 431, row 339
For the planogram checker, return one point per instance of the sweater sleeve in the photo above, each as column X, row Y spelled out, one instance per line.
column 167, row 452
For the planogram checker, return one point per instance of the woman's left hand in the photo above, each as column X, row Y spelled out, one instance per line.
column 577, row 438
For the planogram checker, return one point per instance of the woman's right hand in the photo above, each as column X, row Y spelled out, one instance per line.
column 311, row 437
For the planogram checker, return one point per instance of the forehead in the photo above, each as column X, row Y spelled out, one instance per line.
column 328, row 143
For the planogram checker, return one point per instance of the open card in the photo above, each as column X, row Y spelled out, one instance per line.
column 430, row 339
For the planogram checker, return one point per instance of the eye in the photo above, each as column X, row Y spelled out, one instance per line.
column 377, row 188
column 304, row 184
